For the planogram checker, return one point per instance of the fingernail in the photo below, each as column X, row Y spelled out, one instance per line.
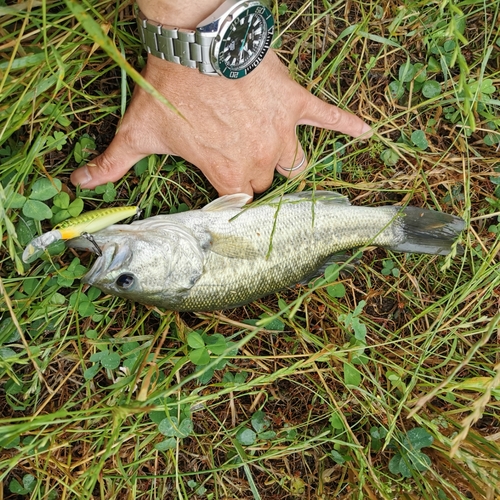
column 81, row 176
column 365, row 129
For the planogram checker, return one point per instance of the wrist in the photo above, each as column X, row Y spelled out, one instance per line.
column 185, row 14
column 230, row 41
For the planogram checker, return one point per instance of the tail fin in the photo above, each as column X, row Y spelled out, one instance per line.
column 427, row 231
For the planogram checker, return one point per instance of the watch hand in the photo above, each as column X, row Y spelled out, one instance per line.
column 243, row 43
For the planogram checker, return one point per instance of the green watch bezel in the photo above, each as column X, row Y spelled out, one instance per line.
column 221, row 41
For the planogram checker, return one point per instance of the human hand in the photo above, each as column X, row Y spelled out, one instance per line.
column 237, row 132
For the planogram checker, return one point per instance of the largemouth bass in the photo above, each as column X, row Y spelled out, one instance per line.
column 226, row 254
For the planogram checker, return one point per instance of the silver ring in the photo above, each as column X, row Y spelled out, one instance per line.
column 296, row 166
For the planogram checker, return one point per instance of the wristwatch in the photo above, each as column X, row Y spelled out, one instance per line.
column 231, row 42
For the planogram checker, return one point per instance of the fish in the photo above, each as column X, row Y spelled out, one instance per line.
column 229, row 254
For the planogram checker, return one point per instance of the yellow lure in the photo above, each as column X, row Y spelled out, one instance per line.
column 89, row 222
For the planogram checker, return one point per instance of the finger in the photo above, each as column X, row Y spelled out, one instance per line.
column 224, row 188
column 227, row 179
column 263, row 180
column 252, row 175
column 320, row 114
column 110, row 166
column 293, row 160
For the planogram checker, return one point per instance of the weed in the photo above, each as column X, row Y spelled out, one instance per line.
column 260, row 430
column 410, row 459
column 29, row 483
column 389, row 268
column 108, row 192
column 334, row 390
column 84, row 149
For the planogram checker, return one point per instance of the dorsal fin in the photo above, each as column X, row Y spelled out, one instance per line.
column 228, row 202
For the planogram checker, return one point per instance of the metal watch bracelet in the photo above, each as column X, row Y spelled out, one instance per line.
column 181, row 46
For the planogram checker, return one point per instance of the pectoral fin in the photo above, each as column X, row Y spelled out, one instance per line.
column 234, row 247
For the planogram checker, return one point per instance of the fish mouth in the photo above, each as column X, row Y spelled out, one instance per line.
column 113, row 257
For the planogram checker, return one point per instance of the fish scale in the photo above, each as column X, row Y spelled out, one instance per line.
column 227, row 255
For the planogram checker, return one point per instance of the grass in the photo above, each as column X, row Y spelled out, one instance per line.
column 384, row 387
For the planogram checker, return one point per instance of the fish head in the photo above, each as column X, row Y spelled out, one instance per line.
column 149, row 266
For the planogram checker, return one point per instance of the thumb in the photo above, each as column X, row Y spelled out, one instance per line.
column 320, row 114
column 110, row 166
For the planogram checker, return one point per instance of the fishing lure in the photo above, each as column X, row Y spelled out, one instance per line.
column 83, row 225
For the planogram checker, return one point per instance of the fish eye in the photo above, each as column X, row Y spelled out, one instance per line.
column 124, row 281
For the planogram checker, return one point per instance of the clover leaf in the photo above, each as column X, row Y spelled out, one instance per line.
column 409, row 457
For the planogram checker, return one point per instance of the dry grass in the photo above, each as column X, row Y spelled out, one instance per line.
column 432, row 330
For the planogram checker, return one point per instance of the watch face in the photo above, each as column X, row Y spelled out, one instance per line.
column 243, row 41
